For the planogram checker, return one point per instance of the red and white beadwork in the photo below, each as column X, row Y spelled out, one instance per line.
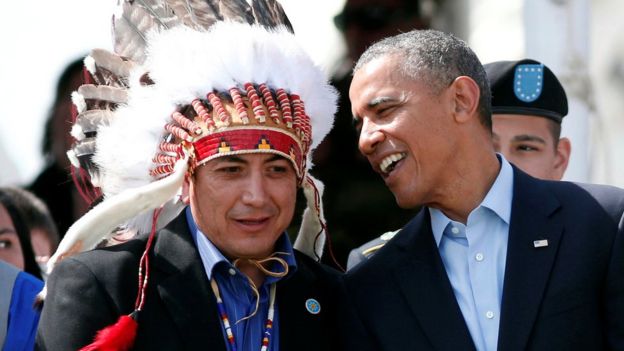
column 228, row 130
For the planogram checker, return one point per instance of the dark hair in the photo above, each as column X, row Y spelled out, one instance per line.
column 64, row 89
column 35, row 213
column 23, row 233
column 555, row 130
column 436, row 58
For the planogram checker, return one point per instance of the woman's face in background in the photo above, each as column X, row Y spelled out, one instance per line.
column 10, row 248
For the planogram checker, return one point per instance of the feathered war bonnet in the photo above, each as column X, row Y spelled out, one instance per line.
column 191, row 81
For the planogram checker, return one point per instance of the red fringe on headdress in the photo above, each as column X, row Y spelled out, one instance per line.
column 117, row 337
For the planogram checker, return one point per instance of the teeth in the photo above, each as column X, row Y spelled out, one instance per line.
column 388, row 162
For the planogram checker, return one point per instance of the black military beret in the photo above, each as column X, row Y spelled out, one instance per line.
column 526, row 87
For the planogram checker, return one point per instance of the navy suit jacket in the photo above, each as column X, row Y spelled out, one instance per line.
column 568, row 295
column 90, row 291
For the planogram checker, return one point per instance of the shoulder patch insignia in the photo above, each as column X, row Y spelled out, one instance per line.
column 528, row 82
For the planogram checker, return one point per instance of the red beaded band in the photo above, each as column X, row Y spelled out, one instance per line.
column 249, row 140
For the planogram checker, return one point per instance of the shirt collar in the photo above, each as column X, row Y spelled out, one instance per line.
column 498, row 199
column 211, row 256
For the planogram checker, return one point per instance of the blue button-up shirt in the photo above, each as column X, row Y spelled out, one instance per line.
column 238, row 298
column 474, row 256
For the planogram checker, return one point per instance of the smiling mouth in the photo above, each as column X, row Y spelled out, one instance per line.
column 252, row 221
column 389, row 163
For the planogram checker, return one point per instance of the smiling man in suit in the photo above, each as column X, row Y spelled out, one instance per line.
column 527, row 111
column 496, row 259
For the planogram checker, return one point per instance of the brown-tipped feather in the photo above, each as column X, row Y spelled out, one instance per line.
column 111, row 69
column 84, row 151
column 90, row 121
column 237, row 11
column 130, row 30
column 198, row 14
column 270, row 13
column 103, row 93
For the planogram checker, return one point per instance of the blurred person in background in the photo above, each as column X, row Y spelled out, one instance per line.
column 43, row 233
column 15, row 246
column 54, row 184
column 20, row 279
column 358, row 206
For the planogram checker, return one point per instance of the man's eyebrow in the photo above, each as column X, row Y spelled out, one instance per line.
column 6, row 231
column 276, row 158
column 528, row 137
column 232, row 158
column 380, row 100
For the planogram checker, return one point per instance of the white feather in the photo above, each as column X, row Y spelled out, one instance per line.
column 76, row 132
column 79, row 101
column 100, row 222
column 89, row 63
column 71, row 155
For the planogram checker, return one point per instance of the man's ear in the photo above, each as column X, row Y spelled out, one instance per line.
column 466, row 96
column 564, row 148
column 185, row 197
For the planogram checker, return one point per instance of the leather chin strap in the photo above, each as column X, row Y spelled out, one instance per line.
column 260, row 263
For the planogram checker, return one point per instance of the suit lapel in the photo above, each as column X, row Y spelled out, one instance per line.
column 295, row 324
column 424, row 283
column 184, row 288
column 528, row 267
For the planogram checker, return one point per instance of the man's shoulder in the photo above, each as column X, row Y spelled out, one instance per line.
column 585, row 195
column 370, row 248
column 312, row 268
column 108, row 258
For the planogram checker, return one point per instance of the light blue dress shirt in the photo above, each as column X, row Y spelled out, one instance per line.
column 474, row 256
column 236, row 293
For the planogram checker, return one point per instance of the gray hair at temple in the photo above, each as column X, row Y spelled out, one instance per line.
column 436, row 58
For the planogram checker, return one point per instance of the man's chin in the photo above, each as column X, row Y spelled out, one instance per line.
column 405, row 201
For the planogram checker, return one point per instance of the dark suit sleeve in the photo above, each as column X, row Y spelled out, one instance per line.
column 353, row 336
column 76, row 307
column 614, row 307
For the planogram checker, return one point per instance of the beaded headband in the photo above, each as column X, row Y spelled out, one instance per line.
column 218, row 126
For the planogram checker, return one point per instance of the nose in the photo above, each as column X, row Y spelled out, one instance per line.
column 370, row 137
column 255, row 194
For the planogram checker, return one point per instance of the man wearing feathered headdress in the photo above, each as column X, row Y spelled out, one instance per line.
column 198, row 132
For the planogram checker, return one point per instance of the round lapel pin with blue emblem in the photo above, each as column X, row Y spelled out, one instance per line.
column 313, row 306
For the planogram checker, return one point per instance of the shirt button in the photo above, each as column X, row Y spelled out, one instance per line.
column 479, row 257
column 489, row 314
column 455, row 230
column 232, row 271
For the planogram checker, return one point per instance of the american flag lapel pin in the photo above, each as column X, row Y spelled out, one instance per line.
column 540, row 243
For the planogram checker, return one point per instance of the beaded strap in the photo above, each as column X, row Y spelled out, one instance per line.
column 268, row 327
